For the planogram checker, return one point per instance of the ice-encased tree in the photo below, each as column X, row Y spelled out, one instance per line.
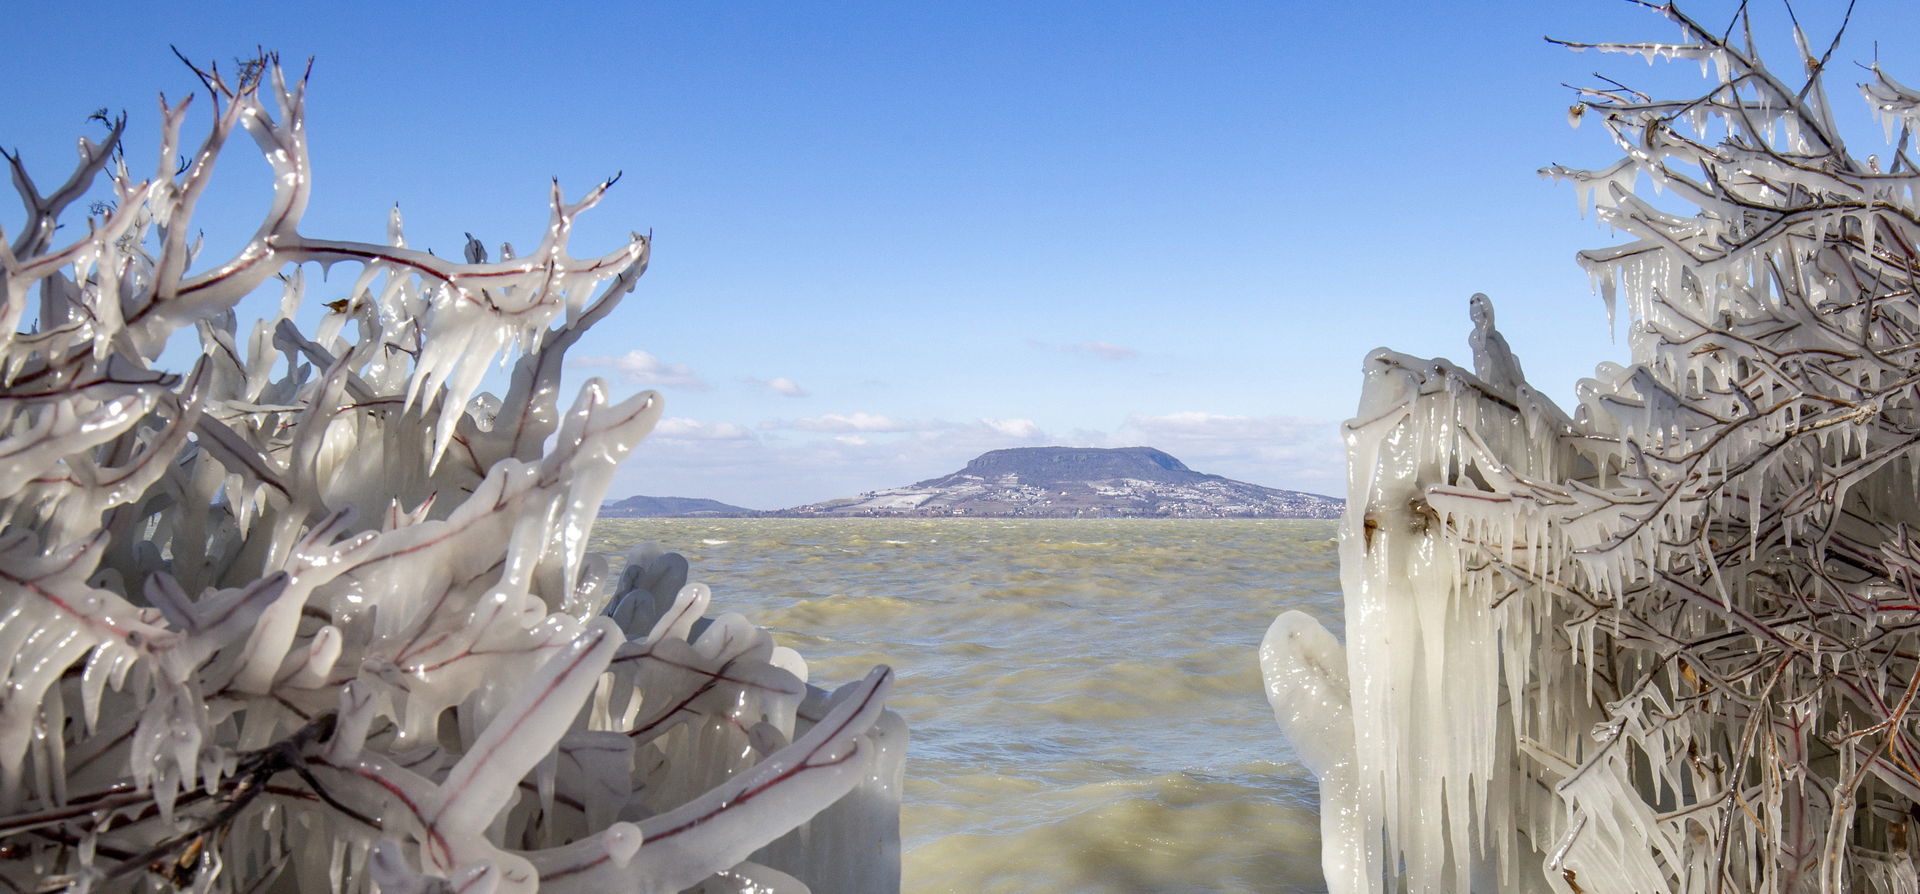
column 315, row 615
column 1669, row 641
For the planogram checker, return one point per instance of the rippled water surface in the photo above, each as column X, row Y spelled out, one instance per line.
column 1084, row 696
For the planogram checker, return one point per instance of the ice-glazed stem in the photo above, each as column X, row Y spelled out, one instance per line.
column 319, row 614
column 1665, row 642
column 1306, row 673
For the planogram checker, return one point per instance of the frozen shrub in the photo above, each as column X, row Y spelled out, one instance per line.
column 313, row 615
column 1669, row 641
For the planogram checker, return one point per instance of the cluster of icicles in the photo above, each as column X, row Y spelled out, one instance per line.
column 1669, row 642
column 314, row 616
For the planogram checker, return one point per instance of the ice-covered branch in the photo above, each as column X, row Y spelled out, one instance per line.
column 1665, row 642
column 318, row 615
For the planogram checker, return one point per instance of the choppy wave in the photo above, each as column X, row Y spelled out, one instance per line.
column 1084, row 696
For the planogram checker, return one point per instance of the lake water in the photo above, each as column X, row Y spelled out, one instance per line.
column 1084, row 696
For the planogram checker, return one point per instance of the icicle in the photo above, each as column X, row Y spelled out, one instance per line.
column 1750, row 401
column 414, row 663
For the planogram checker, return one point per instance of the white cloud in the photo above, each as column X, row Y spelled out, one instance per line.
column 683, row 429
column 646, row 369
column 979, row 431
column 1024, row 429
column 1218, row 426
column 780, row 385
column 851, row 422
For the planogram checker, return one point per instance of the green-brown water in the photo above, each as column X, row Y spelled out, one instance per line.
column 1084, row 696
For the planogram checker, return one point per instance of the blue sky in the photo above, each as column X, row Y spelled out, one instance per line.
column 891, row 236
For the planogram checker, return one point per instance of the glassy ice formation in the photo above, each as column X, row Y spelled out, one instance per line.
column 316, row 616
column 1669, row 641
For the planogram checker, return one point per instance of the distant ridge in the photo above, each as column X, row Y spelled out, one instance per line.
column 1052, row 465
column 672, row 507
column 1079, row 482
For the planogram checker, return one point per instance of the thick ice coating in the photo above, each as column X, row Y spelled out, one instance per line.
column 314, row 616
column 1306, row 674
column 1665, row 642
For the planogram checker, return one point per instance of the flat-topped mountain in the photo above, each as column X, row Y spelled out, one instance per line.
column 1080, row 482
column 1046, row 465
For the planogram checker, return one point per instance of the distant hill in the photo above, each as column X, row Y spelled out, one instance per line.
column 672, row 507
column 1055, row 465
column 1079, row 482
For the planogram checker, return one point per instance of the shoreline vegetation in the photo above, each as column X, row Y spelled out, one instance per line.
column 319, row 614
column 1666, row 639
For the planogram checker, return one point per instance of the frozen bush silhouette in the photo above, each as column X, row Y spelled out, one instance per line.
column 314, row 615
column 1669, row 641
